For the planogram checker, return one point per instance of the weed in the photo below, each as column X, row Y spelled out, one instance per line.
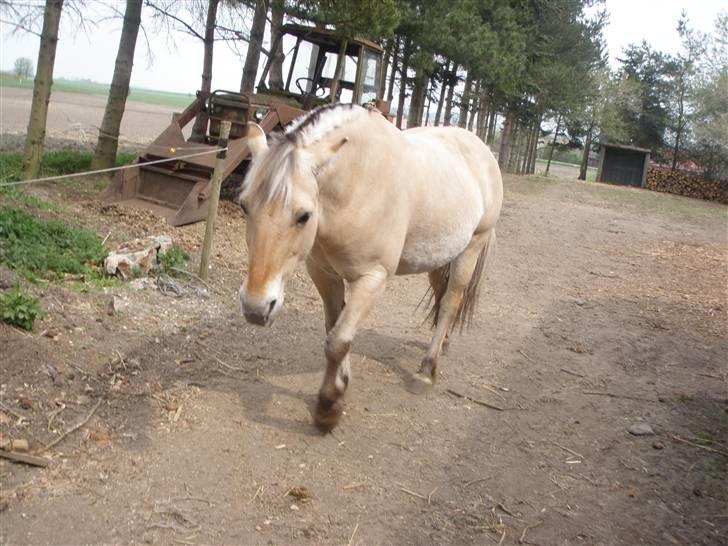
column 45, row 248
column 20, row 309
column 174, row 258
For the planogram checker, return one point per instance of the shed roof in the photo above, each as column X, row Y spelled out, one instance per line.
column 627, row 147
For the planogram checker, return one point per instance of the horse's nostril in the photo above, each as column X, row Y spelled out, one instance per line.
column 271, row 306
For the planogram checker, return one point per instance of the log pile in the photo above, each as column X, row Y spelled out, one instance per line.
column 685, row 183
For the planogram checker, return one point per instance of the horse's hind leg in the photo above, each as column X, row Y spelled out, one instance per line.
column 462, row 270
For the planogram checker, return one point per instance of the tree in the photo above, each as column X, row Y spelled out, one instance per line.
column 681, row 71
column 23, row 68
column 255, row 44
column 108, row 142
column 35, row 138
column 646, row 69
column 710, row 116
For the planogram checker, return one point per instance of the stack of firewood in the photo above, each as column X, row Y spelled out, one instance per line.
column 686, row 183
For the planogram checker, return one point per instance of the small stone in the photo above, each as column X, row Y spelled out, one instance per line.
column 295, row 507
column 658, row 445
column 641, row 429
column 258, row 528
column 25, row 403
column 579, row 302
column 697, row 492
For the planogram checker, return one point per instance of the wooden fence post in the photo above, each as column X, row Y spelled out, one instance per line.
column 214, row 199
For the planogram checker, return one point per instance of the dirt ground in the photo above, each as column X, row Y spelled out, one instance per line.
column 75, row 117
column 604, row 307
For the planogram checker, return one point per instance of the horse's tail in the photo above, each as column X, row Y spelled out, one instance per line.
column 439, row 280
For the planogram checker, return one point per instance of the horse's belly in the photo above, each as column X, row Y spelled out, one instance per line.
column 426, row 253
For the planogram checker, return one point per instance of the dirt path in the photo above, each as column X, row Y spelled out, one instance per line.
column 605, row 307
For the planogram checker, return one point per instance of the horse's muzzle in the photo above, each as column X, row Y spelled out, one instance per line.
column 260, row 311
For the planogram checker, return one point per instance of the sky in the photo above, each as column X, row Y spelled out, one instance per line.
column 178, row 66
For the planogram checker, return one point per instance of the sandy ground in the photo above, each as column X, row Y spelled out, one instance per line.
column 604, row 308
column 76, row 117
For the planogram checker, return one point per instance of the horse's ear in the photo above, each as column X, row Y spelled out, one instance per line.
column 326, row 152
column 257, row 143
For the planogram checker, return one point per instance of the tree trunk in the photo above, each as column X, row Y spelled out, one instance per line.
column 465, row 102
column 385, row 67
column 587, row 148
column 534, row 145
column 35, row 137
column 393, row 75
column 199, row 129
column 492, row 124
column 275, row 79
column 505, row 145
column 438, row 112
column 414, row 117
column 403, row 84
column 451, row 89
column 553, row 145
column 474, row 105
column 512, row 164
column 252, row 57
column 108, row 143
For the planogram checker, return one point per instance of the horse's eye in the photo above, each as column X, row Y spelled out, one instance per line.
column 245, row 210
column 303, row 218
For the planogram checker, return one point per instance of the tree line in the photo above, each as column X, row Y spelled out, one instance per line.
column 515, row 72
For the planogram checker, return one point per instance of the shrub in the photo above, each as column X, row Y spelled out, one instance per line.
column 35, row 247
column 174, row 258
column 20, row 309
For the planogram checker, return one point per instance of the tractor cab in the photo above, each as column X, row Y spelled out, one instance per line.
column 309, row 69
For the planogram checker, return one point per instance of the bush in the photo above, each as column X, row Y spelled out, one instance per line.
column 174, row 258
column 45, row 248
column 20, row 309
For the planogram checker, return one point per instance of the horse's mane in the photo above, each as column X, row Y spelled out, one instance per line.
column 269, row 175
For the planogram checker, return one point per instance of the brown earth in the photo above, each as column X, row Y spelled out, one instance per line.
column 604, row 307
column 76, row 118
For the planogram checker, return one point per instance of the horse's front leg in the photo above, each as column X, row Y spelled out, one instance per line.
column 362, row 293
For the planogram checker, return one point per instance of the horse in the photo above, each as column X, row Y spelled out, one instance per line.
column 361, row 201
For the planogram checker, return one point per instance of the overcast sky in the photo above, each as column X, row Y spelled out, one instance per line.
column 178, row 68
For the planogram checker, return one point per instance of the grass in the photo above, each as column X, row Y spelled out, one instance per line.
column 46, row 249
column 53, row 163
column 87, row 87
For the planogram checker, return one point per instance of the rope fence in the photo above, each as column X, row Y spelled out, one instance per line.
column 111, row 169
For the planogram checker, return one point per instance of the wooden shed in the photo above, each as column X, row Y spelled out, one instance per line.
column 626, row 165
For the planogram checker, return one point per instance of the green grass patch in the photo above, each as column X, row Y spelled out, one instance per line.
column 87, row 87
column 174, row 259
column 46, row 249
column 19, row 308
column 53, row 163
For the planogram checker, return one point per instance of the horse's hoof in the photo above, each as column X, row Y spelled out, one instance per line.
column 419, row 383
column 327, row 414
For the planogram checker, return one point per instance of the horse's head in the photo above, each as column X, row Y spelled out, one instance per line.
column 280, row 200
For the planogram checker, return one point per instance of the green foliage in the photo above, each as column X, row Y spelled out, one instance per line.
column 53, row 163
column 174, row 258
column 45, row 248
column 374, row 19
column 20, row 309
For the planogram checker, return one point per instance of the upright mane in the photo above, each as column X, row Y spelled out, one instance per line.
column 269, row 176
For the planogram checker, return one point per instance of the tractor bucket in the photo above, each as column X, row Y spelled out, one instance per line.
column 180, row 190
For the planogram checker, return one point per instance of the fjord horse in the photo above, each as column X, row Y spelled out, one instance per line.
column 361, row 201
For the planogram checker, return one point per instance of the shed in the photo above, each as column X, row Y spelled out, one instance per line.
column 626, row 165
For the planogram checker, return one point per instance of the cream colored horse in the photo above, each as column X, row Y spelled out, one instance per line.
column 361, row 201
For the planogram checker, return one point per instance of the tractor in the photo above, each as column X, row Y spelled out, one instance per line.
column 180, row 190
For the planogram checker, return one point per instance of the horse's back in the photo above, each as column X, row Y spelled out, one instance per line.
column 461, row 150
